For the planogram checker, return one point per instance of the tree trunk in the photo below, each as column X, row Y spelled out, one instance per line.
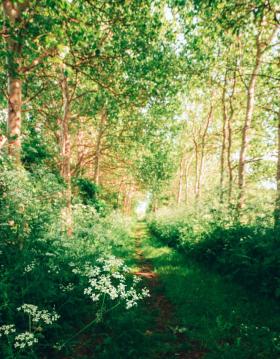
column 246, row 129
column 277, row 202
column 261, row 47
column 98, row 146
column 229, row 133
column 196, row 188
column 202, row 155
column 127, row 198
column 180, row 186
column 154, row 204
column 65, row 169
column 187, row 169
column 224, row 140
column 12, row 12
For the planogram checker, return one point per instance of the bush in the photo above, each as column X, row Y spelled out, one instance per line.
column 53, row 288
column 249, row 254
column 90, row 195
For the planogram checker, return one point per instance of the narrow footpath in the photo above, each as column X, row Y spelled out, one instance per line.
column 173, row 342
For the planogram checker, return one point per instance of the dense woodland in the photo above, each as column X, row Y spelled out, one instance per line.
column 140, row 179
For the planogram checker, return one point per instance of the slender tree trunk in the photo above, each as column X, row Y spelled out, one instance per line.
column 66, row 151
column 196, row 187
column 261, row 47
column 80, row 146
column 229, row 133
column 154, row 203
column 246, row 129
column 102, row 123
column 224, row 140
column 12, row 12
column 187, row 169
column 202, row 155
column 180, row 185
column 14, row 117
column 127, row 198
column 277, row 202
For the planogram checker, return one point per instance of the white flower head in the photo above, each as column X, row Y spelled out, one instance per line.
column 37, row 315
column 7, row 329
column 26, row 339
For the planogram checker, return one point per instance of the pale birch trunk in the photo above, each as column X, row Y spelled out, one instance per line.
column 229, row 136
column 261, row 47
column 202, row 155
column 187, row 169
column 180, row 185
column 65, row 147
column 196, row 186
column 277, row 202
column 246, row 129
column 224, row 140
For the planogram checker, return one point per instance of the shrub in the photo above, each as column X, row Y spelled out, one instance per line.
column 52, row 288
column 249, row 254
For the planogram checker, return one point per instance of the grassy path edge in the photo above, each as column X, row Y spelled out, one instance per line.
column 227, row 320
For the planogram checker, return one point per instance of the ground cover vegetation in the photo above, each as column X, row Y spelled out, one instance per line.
column 114, row 108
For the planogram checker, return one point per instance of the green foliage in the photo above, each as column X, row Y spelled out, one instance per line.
column 90, row 194
column 222, row 319
column 34, row 150
column 51, row 285
column 26, row 212
column 247, row 253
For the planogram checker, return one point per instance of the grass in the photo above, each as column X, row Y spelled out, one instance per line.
column 217, row 315
column 128, row 334
column 224, row 318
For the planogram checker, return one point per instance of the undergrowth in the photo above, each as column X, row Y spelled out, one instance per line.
column 246, row 253
column 54, row 289
column 221, row 319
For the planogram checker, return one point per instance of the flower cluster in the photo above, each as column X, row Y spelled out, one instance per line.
column 39, row 315
column 7, row 329
column 53, row 268
column 109, row 278
column 26, row 339
column 66, row 288
column 30, row 267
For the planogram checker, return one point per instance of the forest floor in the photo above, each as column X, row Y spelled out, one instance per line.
column 172, row 338
column 192, row 313
column 196, row 313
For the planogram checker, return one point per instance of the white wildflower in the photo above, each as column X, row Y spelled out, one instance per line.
column 109, row 279
column 76, row 271
column 26, row 339
column 39, row 315
column 7, row 329
column 67, row 288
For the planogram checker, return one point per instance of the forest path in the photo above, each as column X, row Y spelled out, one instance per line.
column 172, row 341
column 197, row 313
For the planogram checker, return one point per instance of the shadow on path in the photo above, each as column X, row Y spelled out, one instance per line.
column 173, row 342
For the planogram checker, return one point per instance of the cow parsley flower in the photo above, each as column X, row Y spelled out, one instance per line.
column 26, row 339
column 39, row 315
column 30, row 267
column 66, row 288
column 109, row 279
column 7, row 329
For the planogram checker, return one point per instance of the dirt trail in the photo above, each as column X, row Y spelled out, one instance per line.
column 166, row 328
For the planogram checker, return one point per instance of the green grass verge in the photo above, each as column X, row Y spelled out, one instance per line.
column 227, row 320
